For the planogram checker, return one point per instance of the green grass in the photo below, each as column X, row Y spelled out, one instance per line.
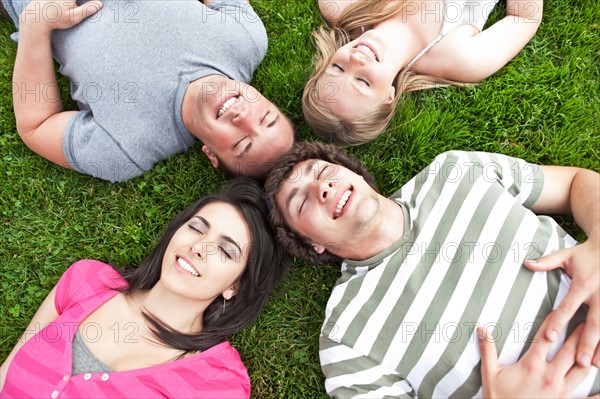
column 544, row 107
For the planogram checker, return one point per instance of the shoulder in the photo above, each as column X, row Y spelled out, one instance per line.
column 454, row 57
column 85, row 279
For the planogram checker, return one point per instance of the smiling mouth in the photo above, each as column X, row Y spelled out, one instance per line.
column 367, row 50
column 187, row 267
column 226, row 104
column 340, row 205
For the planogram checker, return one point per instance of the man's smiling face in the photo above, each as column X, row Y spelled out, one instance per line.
column 327, row 204
column 239, row 127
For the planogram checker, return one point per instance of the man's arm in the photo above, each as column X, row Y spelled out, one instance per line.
column 44, row 315
column 36, row 98
column 575, row 191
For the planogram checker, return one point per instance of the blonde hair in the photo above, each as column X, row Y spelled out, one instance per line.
column 319, row 117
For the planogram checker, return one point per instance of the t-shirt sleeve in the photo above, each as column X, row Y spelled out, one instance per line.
column 82, row 280
column 244, row 13
column 521, row 179
column 350, row 374
column 91, row 150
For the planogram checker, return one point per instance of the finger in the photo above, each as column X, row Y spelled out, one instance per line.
column 540, row 348
column 559, row 318
column 489, row 355
column 565, row 358
column 575, row 374
column 549, row 262
column 590, row 338
column 85, row 10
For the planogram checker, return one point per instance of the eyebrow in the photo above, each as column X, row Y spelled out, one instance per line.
column 224, row 237
column 290, row 197
column 203, row 221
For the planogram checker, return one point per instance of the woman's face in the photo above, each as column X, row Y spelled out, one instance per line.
column 358, row 80
column 207, row 255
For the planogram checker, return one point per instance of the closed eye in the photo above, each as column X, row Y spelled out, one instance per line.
column 366, row 82
column 321, row 172
column 302, row 205
column 225, row 252
column 338, row 67
column 197, row 227
column 239, row 141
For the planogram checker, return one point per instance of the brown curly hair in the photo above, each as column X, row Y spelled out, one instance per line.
column 288, row 239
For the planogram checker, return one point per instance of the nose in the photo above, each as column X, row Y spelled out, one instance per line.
column 197, row 249
column 358, row 57
column 324, row 191
column 242, row 114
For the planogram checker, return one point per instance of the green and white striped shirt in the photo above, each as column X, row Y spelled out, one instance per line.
column 402, row 323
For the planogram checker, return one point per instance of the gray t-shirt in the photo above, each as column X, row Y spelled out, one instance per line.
column 130, row 66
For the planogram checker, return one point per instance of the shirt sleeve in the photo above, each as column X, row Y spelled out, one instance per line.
column 83, row 279
column 349, row 374
column 244, row 13
column 91, row 150
column 521, row 179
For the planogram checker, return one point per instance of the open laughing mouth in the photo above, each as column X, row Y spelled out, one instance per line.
column 185, row 266
column 226, row 104
column 341, row 203
column 367, row 50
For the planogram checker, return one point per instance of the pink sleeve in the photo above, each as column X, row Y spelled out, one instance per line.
column 83, row 279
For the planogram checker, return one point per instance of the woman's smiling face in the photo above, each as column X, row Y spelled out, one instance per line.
column 207, row 255
column 357, row 79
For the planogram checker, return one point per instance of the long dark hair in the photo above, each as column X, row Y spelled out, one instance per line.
column 266, row 267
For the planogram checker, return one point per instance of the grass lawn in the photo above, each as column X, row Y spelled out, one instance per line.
column 543, row 107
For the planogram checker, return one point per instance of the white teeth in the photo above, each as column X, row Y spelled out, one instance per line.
column 226, row 105
column 367, row 50
column 187, row 267
column 340, row 205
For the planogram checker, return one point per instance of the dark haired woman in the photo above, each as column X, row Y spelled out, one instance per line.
column 158, row 330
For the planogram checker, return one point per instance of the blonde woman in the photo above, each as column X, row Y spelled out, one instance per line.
column 374, row 50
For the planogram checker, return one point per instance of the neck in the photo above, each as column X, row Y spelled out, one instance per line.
column 405, row 36
column 180, row 313
column 387, row 228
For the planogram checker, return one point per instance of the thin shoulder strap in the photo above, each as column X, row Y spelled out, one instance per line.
column 424, row 51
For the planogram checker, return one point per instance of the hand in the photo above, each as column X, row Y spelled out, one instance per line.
column 532, row 376
column 48, row 15
column 582, row 264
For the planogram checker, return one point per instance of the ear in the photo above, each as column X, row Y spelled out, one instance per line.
column 318, row 248
column 231, row 291
column 391, row 95
column 212, row 157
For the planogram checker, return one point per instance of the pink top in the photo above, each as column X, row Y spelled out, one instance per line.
column 42, row 368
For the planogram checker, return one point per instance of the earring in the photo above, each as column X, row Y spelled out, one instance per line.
column 223, row 312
